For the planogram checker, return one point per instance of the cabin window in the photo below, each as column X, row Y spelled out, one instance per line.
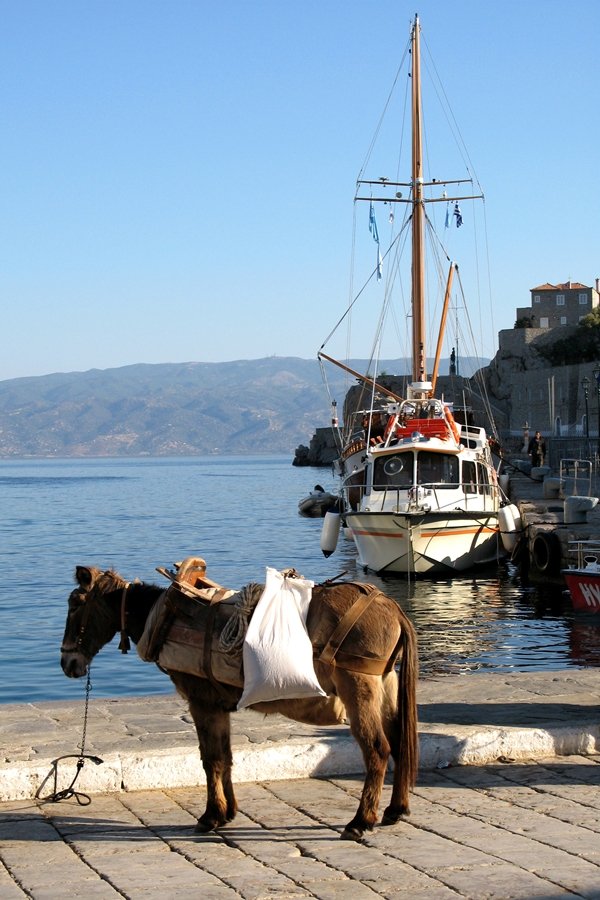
column 560, row 299
column 482, row 477
column 393, row 471
column 469, row 478
column 439, row 469
column 583, row 298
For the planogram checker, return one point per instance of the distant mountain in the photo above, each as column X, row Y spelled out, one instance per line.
column 248, row 406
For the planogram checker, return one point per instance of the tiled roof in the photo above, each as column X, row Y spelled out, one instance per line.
column 568, row 285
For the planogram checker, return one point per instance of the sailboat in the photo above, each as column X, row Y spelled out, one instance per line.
column 420, row 492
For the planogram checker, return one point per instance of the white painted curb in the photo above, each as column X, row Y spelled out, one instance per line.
column 296, row 758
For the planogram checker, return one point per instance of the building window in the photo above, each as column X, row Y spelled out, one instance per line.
column 544, row 322
column 541, row 393
column 563, row 320
column 536, row 298
column 560, row 394
column 583, row 299
column 560, row 299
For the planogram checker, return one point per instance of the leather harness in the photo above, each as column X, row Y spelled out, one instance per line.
column 330, row 655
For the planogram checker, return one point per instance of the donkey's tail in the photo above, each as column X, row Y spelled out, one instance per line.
column 405, row 772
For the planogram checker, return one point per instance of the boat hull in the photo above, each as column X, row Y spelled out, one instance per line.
column 584, row 587
column 425, row 543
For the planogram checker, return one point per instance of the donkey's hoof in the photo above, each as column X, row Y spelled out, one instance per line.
column 393, row 814
column 391, row 818
column 351, row 834
column 204, row 828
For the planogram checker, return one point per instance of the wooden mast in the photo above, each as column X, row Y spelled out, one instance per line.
column 438, row 351
column 419, row 358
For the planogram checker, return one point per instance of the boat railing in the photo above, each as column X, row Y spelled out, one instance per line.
column 588, row 553
column 414, row 496
column 575, row 478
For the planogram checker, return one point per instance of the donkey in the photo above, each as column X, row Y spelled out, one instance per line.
column 381, row 708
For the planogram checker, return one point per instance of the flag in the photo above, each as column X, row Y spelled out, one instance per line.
column 447, row 215
column 458, row 215
column 373, row 224
column 379, row 264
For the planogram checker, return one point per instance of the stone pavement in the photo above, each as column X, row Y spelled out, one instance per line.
column 492, row 825
column 150, row 742
column 519, row 830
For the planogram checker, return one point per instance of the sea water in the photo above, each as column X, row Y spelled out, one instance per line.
column 240, row 514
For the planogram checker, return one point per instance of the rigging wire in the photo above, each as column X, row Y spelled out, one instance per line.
column 351, row 290
column 387, row 103
column 478, row 376
column 363, row 288
column 489, row 271
column 462, row 147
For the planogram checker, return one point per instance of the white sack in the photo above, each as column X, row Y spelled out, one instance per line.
column 278, row 656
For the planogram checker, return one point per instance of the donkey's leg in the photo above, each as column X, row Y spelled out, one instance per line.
column 361, row 695
column 399, row 801
column 214, row 736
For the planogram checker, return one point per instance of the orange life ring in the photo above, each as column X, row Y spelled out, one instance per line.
column 452, row 423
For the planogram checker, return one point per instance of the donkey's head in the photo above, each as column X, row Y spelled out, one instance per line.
column 93, row 618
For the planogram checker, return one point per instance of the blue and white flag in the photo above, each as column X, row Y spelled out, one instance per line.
column 458, row 215
column 379, row 264
column 373, row 224
column 447, row 215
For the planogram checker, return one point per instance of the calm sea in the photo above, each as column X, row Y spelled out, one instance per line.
column 240, row 514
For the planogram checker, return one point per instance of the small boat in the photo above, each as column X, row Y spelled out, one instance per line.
column 317, row 504
column 420, row 488
column 583, row 580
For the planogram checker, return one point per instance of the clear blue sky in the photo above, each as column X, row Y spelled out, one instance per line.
column 177, row 177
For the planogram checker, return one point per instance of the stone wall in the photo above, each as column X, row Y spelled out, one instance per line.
column 518, row 379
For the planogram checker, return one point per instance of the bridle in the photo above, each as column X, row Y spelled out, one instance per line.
column 124, row 643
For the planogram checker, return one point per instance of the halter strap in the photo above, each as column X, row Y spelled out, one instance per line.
column 124, row 643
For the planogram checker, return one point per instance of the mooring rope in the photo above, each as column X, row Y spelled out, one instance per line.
column 232, row 636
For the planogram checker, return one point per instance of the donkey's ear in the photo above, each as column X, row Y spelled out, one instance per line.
column 83, row 576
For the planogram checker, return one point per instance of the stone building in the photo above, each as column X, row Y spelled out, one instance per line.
column 554, row 305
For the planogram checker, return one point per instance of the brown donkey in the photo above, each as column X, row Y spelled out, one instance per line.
column 381, row 708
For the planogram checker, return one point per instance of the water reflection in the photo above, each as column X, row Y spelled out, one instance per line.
column 488, row 620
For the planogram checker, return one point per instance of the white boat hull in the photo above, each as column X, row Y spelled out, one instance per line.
column 425, row 543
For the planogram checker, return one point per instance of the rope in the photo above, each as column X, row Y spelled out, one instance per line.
column 233, row 635
column 56, row 796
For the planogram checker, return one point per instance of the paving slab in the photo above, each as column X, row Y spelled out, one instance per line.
column 474, row 832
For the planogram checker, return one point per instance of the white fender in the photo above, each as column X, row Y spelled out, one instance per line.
column 516, row 516
column 509, row 520
column 503, row 481
column 330, row 533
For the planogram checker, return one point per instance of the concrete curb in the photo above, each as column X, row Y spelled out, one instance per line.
column 294, row 758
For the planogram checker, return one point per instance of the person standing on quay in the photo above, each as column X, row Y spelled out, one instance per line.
column 537, row 450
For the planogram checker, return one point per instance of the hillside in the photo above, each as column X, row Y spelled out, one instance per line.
column 248, row 406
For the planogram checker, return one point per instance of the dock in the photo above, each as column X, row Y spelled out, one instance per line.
column 545, row 517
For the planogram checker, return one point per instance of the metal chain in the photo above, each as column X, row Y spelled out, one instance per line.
column 56, row 796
